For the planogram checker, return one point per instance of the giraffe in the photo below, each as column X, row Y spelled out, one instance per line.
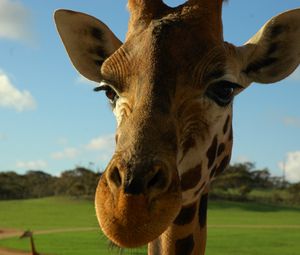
column 171, row 86
column 30, row 235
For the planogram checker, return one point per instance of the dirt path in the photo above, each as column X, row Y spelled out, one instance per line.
column 7, row 233
column 4, row 251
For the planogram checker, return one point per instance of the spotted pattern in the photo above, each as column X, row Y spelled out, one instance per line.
column 224, row 163
column 226, row 125
column 203, row 210
column 211, row 152
column 191, row 178
column 187, row 145
column 186, row 215
column 221, row 149
column 184, row 246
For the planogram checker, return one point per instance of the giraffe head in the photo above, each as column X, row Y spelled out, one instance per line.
column 171, row 85
column 25, row 234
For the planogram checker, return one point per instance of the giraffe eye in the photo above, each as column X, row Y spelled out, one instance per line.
column 110, row 93
column 222, row 92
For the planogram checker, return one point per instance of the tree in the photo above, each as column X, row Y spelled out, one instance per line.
column 12, row 186
column 235, row 183
column 261, row 178
column 294, row 190
column 77, row 182
column 40, row 184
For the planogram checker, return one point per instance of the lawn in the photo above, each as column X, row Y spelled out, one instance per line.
column 234, row 228
column 47, row 213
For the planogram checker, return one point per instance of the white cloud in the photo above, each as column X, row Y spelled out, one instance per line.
column 62, row 141
column 11, row 97
column 32, row 165
column 292, row 166
column 104, row 146
column 68, row 153
column 2, row 137
column 295, row 75
column 291, row 121
column 14, row 20
column 83, row 80
column 242, row 159
column 102, row 143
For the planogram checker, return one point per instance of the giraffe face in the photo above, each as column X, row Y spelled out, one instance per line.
column 171, row 128
column 171, row 86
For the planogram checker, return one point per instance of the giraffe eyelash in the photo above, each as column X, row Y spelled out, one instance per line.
column 110, row 92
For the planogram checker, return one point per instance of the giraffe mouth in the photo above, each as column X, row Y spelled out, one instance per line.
column 131, row 221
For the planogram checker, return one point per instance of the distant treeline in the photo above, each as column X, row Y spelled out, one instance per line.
column 243, row 182
column 239, row 182
column 79, row 182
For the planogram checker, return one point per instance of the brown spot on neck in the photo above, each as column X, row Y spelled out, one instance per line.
column 224, row 163
column 186, row 214
column 191, row 178
column 211, row 152
column 185, row 246
column 203, row 210
column 221, row 149
column 226, row 125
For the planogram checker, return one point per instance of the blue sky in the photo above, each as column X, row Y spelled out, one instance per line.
column 51, row 120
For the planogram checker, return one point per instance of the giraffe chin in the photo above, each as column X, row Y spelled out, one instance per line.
column 131, row 221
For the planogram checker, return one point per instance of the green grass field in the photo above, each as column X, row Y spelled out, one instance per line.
column 234, row 228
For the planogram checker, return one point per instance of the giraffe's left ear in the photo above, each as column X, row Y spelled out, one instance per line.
column 274, row 52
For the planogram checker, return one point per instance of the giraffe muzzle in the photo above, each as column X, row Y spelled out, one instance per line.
column 135, row 203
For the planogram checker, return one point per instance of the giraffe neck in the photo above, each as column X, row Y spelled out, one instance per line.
column 33, row 250
column 187, row 235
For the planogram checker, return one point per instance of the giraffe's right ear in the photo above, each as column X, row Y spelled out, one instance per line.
column 274, row 52
column 87, row 40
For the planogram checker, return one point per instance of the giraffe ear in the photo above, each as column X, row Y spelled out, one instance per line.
column 87, row 40
column 274, row 52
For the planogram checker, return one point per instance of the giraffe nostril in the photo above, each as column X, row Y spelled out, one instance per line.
column 115, row 176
